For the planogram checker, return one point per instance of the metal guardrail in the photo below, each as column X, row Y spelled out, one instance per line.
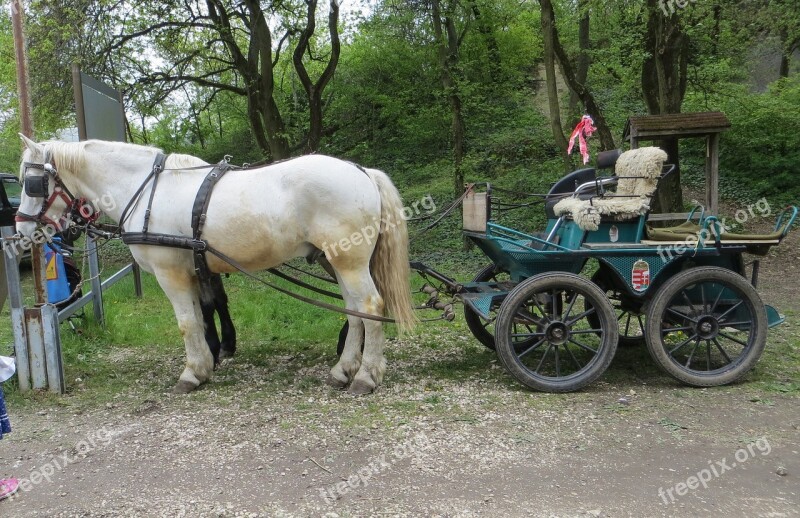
column 37, row 341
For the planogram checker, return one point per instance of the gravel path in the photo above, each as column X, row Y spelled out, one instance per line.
column 472, row 443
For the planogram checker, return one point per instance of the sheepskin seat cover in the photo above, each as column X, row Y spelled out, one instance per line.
column 638, row 171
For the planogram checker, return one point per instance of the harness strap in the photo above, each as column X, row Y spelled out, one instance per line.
column 199, row 210
column 297, row 296
column 158, row 166
column 152, row 238
column 135, row 198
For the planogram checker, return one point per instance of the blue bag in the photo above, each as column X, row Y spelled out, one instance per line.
column 57, row 284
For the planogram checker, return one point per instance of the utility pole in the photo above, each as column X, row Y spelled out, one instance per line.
column 23, row 89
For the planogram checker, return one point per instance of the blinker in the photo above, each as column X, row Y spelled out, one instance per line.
column 37, row 186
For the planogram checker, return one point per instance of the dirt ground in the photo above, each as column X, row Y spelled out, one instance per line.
column 471, row 444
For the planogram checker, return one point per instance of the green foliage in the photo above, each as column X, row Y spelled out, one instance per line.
column 760, row 153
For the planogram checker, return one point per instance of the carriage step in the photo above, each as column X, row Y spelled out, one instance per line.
column 482, row 302
column 773, row 317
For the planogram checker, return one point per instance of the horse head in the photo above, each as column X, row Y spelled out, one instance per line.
column 45, row 199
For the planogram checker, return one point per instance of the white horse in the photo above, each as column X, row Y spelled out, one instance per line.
column 258, row 217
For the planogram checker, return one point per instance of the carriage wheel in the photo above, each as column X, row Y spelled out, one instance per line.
column 706, row 326
column 564, row 350
column 631, row 319
column 481, row 329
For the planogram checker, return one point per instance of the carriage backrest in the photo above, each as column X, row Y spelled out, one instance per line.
column 639, row 170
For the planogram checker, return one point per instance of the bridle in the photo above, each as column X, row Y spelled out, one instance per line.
column 78, row 210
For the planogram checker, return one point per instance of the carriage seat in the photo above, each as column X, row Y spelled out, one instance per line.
column 570, row 183
column 637, row 174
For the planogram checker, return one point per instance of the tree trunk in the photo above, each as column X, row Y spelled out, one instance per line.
column 580, row 89
column 448, row 42
column 664, row 77
column 314, row 90
column 584, row 43
column 492, row 47
column 548, row 37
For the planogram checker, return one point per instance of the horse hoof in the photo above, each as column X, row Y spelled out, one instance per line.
column 360, row 388
column 224, row 355
column 183, row 387
column 335, row 382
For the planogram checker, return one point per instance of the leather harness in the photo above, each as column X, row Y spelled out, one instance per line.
column 200, row 247
column 199, row 210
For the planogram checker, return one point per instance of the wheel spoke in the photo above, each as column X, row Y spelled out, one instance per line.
column 572, row 355
column 721, row 350
column 558, row 361
column 682, row 344
column 673, row 329
column 571, row 304
column 716, row 302
column 703, row 296
column 686, row 317
column 555, row 296
column 730, row 309
column 540, row 308
column 583, row 346
column 541, row 362
column 742, row 323
column 708, row 355
column 531, row 349
column 527, row 318
column 526, row 335
column 687, row 299
column 696, row 345
column 744, row 344
column 579, row 317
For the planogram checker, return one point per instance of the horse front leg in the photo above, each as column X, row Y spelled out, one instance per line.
column 183, row 290
column 208, row 306
column 228, row 332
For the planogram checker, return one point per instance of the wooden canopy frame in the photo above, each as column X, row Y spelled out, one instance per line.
column 708, row 125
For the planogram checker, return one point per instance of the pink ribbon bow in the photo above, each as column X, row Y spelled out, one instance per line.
column 582, row 131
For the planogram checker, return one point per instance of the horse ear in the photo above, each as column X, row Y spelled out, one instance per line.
column 33, row 146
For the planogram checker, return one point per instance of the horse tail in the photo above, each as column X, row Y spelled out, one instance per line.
column 389, row 262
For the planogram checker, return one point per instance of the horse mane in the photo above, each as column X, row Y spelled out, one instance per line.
column 68, row 156
column 71, row 156
column 180, row 161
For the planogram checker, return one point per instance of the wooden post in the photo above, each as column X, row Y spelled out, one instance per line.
column 21, row 56
column 712, row 174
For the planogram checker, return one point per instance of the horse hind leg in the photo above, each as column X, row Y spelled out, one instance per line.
column 350, row 356
column 362, row 296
